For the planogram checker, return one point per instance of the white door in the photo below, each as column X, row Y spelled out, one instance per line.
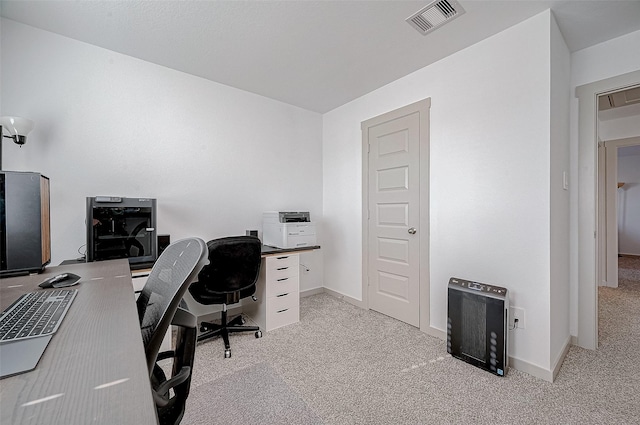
column 394, row 217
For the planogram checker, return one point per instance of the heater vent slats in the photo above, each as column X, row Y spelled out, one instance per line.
column 446, row 8
column 434, row 15
column 422, row 23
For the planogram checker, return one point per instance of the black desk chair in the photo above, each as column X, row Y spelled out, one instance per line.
column 232, row 273
column 158, row 308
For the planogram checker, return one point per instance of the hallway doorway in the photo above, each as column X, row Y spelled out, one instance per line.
column 618, row 175
column 586, row 242
column 618, row 204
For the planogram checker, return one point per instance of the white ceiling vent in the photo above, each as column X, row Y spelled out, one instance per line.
column 434, row 15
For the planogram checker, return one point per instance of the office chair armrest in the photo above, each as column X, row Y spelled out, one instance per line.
column 164, row 388
column 166, row 355
column 184, row 318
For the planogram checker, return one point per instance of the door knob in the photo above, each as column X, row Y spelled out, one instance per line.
column 412, row 230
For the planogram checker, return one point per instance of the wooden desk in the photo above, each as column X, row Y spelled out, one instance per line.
column 94, row 369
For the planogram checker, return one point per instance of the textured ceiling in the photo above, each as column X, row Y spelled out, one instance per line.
column 317, row 55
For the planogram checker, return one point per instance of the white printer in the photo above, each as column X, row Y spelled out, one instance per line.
column 288, row 229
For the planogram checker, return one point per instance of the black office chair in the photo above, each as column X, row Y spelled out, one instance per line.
column 231, row 275
column 158, row 308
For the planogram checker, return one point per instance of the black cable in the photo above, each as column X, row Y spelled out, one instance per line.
column 515, row 324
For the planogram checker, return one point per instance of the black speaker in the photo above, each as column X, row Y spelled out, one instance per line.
column 25, row 229
column 163, row 242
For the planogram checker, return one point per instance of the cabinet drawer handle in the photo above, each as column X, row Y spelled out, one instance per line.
column 282, row 311
column 284, row 278
column 281, row 258
column 282, row 295
column 282, row 268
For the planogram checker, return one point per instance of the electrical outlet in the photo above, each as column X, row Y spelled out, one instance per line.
column 517, row 313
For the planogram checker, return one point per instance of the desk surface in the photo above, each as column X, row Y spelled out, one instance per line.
column 94, row 369
column 272, row 250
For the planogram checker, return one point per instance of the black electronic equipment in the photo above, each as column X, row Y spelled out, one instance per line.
column 120, row 227
column 163, row 242
column 25, row 236
column 477, row 324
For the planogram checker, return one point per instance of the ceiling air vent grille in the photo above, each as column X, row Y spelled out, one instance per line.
column 434, row 15
column 632, row 95
column 620, row 98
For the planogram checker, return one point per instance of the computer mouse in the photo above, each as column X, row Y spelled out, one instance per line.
column 57, row 278
column 60, row 281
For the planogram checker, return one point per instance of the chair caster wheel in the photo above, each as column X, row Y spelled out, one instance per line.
column 227, row 354
column 258, row 334
column 203, row 328
column 242, row 321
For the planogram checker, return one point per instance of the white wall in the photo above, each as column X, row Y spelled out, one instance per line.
column 107, row 124
column 559, row 237
column 620, row 126
column 605, row 60
column 609, row 59
column 489, row 182
column 629, row 204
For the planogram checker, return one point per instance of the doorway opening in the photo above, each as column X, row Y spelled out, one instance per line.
column 587, row 267
column 618, row 204
column 619, row 212
column 618, row 115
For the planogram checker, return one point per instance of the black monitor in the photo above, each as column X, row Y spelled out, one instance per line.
column 122, row 228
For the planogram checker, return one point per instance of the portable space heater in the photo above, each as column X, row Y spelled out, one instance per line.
column 477, row 324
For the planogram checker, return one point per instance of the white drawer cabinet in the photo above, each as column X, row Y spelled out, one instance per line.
column 278, row 293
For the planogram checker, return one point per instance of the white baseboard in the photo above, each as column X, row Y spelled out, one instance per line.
column 531, row 369
column 437, row 333
column 561, row 357
column 347, row 298
column 309, row 292
column 539, row 372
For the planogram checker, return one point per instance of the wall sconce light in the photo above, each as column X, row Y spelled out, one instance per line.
column 17, row 127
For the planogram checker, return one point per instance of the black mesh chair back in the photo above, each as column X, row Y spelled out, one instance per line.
column 232, row 273
column 158, row 308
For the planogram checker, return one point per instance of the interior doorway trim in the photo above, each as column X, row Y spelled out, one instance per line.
column 608, row 222
column 423, row 107
column 588, row 238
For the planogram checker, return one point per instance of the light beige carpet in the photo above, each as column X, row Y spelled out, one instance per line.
column 353, row 366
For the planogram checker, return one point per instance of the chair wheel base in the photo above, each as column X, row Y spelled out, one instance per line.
column 227, row 354
column 258, row 334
